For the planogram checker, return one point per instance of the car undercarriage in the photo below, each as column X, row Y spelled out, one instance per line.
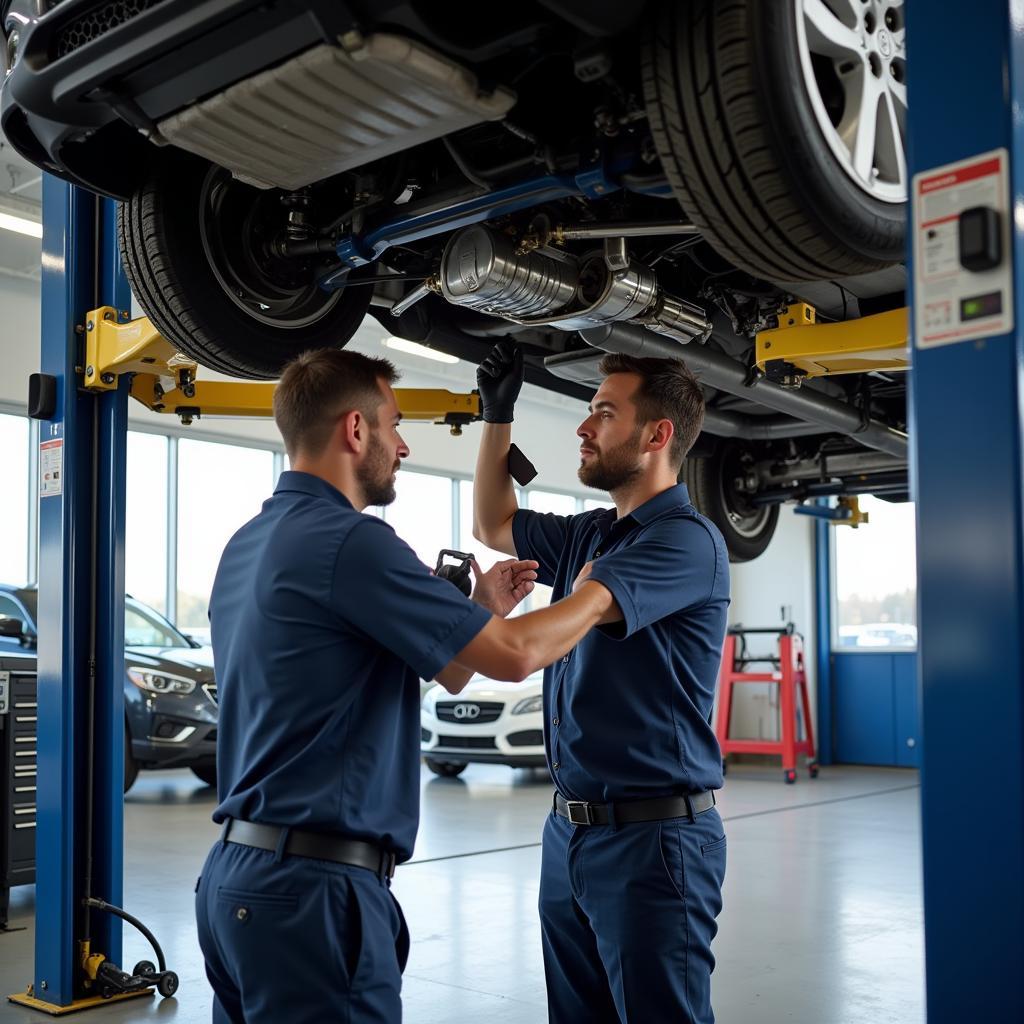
column 582, row 178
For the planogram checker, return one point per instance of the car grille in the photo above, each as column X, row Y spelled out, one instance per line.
column 486, row 711
column 92, row 24
column 526, row 738
column 467, row 742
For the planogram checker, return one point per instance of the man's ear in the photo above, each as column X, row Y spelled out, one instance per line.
column 660, row 436
column 351, row 431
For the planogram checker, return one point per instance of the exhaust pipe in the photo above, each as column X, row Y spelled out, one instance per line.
column 726, row 374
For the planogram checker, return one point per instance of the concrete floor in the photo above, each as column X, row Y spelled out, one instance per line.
column 822, row 921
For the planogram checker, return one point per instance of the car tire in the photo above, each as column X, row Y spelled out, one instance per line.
column 190, row 242
column 205, row 773
column 446, row 769
column 131, row 766
column 747, row 529
column 742, row 132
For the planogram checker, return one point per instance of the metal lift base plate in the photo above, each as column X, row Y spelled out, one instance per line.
column 24, row 999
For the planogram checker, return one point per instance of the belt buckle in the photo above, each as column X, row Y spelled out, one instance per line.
column 388, row 861
column 584, row 808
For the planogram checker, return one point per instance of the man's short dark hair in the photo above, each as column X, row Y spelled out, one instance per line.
column 667, row 391
column 319, row 386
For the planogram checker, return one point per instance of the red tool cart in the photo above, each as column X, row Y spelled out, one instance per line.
column 788, row 674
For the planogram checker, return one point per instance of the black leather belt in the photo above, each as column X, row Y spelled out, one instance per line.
column 318, row 845
column 580, row 812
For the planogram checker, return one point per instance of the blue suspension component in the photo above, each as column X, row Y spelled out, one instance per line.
column 830, row 513
column 358, row 250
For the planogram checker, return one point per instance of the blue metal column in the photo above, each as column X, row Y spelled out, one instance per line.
column 81, row 603
column 966, row 92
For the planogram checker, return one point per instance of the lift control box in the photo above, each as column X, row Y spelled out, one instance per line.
column 963, row 271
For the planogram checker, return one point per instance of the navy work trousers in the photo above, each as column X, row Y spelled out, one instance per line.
column 627, row 918
column 298, row 940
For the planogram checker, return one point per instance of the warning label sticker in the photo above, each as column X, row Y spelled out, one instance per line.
column 51, row 467
column 963, row 280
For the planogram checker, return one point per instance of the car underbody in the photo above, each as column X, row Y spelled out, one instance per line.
column 581, row 177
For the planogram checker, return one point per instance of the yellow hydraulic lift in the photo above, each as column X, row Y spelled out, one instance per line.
column 165, row 381
column 801, row 347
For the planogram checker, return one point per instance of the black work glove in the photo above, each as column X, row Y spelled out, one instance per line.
column 499, row 379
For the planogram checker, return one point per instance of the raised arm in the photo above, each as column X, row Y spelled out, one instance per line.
column 494, row 495
column 499, row 379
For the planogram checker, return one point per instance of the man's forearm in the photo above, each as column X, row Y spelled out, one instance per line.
column 454, row 677
column 515, row 648
column 494, row 496
column 547, row 634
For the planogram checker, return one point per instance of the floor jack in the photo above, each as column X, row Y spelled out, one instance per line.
column 108, row 980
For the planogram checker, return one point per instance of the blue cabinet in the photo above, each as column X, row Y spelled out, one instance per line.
column 876, row 709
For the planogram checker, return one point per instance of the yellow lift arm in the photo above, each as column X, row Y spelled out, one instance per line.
column 800, row 347
column 115, row 346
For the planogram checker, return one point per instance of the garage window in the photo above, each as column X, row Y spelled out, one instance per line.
column 145, row 560
column 14, row 502
column 422, row 513
column 876, row 580
column 220, row 487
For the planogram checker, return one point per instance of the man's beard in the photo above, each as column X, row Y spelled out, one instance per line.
column 615, row 468
column 377, row 474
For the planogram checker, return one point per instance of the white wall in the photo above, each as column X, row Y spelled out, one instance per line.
column 783, row 577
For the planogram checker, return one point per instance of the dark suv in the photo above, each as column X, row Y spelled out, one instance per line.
column 170, row 694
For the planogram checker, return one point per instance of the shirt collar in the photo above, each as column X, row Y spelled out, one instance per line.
column 308, row 483
column 673, row 497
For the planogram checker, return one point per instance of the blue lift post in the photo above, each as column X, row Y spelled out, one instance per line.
column 81, row 599
column 966, row 91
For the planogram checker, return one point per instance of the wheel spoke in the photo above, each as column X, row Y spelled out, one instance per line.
column 891, row 156
column 898, row 91
column 827, row 34
column 863, row 150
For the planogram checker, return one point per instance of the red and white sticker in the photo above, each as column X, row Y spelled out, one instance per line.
column 51, row 467
column 951, row 303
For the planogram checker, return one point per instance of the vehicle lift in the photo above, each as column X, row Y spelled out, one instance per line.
column 970, row 519
column 165, row 381
column 93, row 359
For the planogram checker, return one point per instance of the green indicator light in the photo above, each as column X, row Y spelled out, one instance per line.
column 970, row 308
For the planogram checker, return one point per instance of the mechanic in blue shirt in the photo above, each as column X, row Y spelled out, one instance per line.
column 634, row 851
column 322, row 622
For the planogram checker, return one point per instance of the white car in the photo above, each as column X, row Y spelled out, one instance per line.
column 488, row 723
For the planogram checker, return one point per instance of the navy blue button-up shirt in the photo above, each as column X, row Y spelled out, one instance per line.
column 627, row 710
column 322, row 622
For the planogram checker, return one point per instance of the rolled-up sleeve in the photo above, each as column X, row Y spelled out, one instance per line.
column 382, row 589
column 671, row 566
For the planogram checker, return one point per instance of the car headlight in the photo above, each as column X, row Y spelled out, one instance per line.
column 531, row 704
column 160, row 682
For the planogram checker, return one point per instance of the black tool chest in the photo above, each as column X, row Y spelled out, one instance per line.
column 18, row 758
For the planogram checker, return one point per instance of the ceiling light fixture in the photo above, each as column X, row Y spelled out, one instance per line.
column 414, row 348
column 22, row 225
